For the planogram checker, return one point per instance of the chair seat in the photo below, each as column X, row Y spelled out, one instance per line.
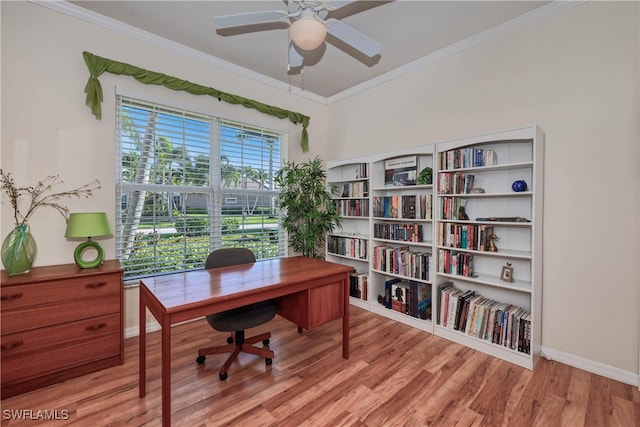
column 242, row 318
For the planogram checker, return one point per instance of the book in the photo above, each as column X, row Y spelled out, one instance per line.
column 400, row 171
column 399, row 296
column 419, row 300
column 388, row 291
column 443, row 294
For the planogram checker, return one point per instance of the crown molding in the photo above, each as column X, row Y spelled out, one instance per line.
column 121, row 28
column 514, row 24
column 519, row 22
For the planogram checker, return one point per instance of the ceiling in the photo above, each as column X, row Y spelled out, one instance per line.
column 410, row 32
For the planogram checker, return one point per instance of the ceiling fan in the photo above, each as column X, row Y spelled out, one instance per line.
column 308, row 27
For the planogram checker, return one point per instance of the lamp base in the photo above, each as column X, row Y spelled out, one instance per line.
column 77, row 254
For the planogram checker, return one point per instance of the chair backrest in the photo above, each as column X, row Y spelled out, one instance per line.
column 229, row 256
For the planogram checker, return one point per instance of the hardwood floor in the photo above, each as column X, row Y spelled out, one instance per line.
column 396, row 376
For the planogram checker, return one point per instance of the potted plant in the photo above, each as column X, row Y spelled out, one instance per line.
column 309, row 211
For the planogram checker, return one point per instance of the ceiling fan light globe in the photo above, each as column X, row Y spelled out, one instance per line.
column 307, row 34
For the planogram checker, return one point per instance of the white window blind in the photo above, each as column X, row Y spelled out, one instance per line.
column 189, row 183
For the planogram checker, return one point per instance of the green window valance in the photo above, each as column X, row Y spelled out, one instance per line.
column 98, row 65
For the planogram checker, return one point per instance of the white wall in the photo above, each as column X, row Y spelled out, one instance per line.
column 48, row 130
column 576, row 76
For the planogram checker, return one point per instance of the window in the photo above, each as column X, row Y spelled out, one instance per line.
column 189, row 183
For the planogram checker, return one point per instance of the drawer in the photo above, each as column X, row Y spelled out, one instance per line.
column 56, row 291
column 35, row 353
column 17, row 344
column 26, row 307
column 312, row 307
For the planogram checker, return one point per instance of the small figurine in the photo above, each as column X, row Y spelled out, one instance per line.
column 462, row 214
column 491, row 246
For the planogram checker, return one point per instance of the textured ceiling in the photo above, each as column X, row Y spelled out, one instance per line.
column 408, row 31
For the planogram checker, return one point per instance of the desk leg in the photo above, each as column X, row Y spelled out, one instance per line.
column 142, row 348
column 166, row 373
column 345, row 319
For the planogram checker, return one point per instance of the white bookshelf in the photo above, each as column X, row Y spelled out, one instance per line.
column 401, row 220
column 350, row 177
column 516, row 218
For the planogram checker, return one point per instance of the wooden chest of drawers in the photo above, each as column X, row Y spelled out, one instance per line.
column 59, row 322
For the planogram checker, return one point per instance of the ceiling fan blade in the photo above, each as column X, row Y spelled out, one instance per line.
column 295, row 59
column 353, row 37
column 337, row 4
column 252, row 18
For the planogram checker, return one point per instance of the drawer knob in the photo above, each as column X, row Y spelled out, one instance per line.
column 11, row 297
column 95, row 285
column 14, row 344
column 96, row 327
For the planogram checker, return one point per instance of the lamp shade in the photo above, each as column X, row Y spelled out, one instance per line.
column 307, row 33
column 88, row 225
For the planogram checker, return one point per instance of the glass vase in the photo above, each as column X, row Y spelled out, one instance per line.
column 18, row 250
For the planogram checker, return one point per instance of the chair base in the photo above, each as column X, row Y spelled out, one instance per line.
column 241, row 344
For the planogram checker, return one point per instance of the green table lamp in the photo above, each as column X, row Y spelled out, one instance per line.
column 88, row 225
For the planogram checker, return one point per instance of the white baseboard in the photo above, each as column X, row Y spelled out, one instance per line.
column 591, row 366
column 152, row 326
column 134, row 331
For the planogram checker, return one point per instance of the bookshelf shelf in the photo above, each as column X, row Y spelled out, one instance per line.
column 399, row 276
column 502, row 254
column 413, row 229
column 382, row 218
column 492, row 281
column 404, row 242
column 404, row 188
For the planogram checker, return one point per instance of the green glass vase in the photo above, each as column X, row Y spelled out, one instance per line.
column 19, row 250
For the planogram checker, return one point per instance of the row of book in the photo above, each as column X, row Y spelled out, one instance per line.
column 455, row 263
column 353, row 207
column 402, row 261
column 455, row 183
column 355, row 189
column 408, row 297
column 464, row 236
column 358, row 285
column 352, row 247
column 471, row 313
column 450, row 208
column 407, row 207
column 362, row 170
column 467, row 158
column 399, row 232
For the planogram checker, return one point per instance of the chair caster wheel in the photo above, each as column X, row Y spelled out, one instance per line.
column 265, row 342
column 200, row 360
column 229, row 340
column 268, row 361
column 223, row 376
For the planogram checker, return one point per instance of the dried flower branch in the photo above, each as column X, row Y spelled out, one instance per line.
column 41, row 195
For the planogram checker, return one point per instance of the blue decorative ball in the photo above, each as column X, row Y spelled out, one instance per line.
column 519, row 186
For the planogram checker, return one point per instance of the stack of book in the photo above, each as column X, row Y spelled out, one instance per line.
column 471, row 313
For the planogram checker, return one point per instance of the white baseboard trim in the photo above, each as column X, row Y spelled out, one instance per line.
column 591, row 366
column 134, row 331
column 152, row 326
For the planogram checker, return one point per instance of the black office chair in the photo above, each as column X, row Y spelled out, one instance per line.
column 237, row 320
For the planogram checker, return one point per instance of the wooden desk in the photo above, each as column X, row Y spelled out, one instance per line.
column 307, row 291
